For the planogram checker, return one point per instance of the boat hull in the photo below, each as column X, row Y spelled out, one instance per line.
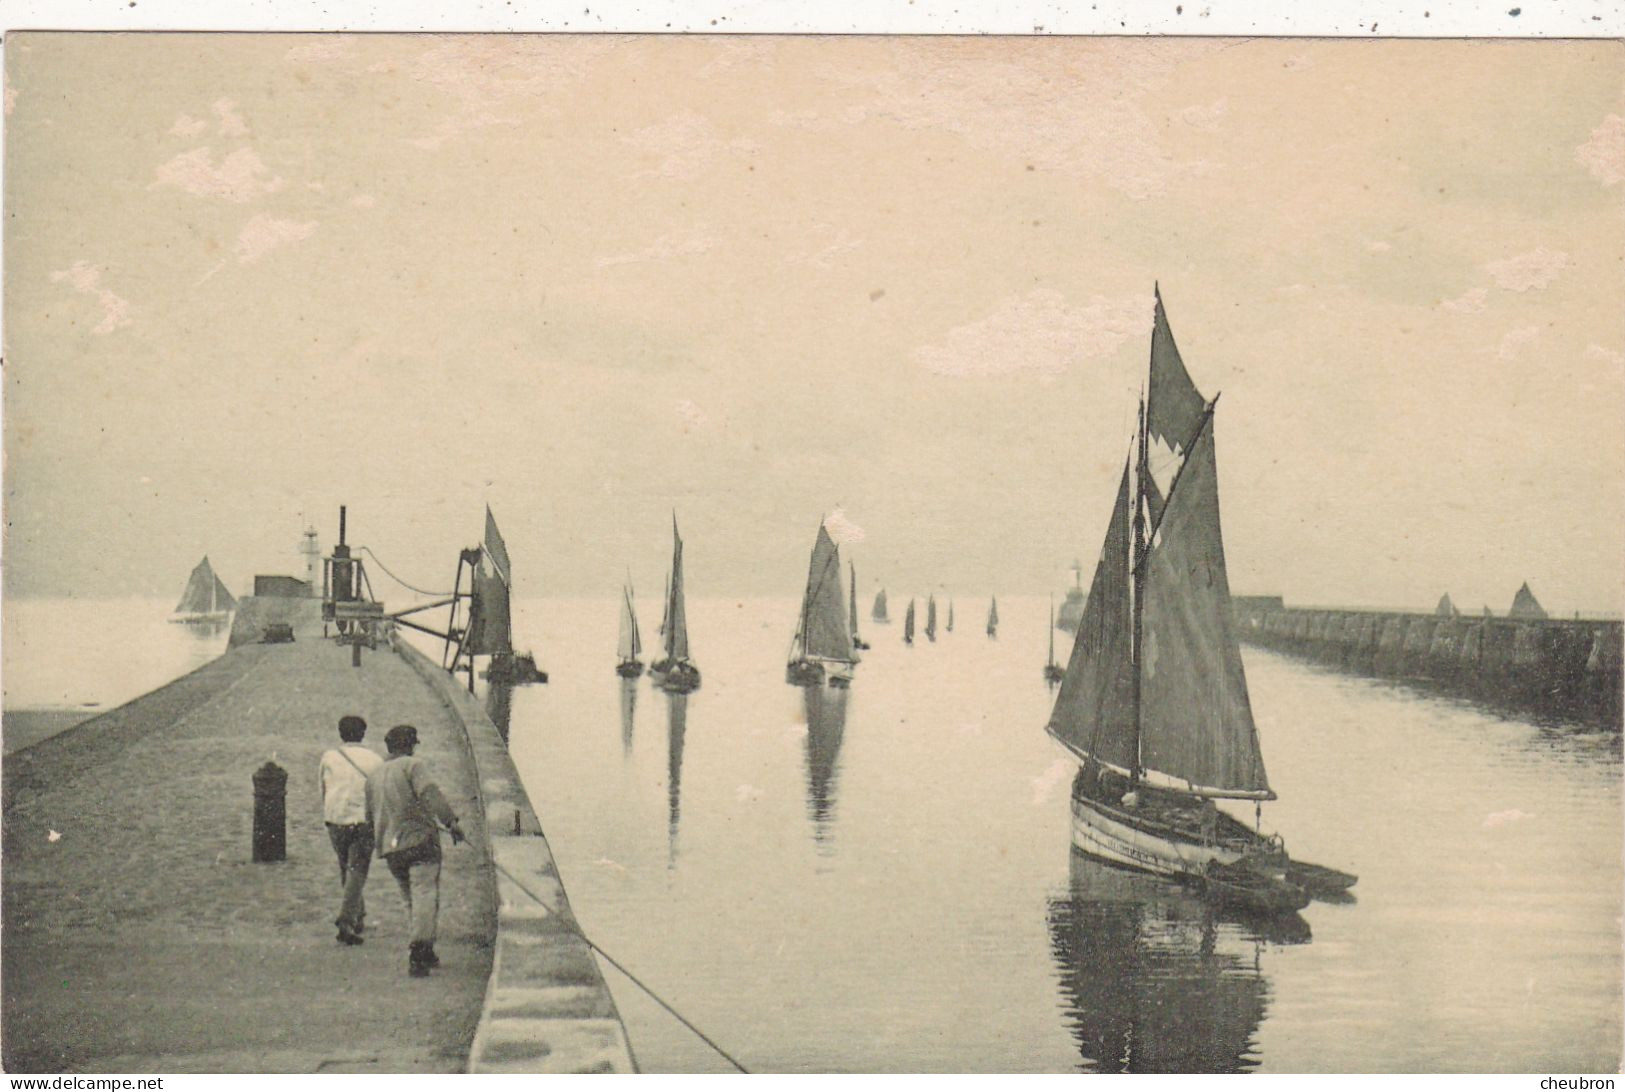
column 1101, row 834
column 629, row 669
column 681, row 678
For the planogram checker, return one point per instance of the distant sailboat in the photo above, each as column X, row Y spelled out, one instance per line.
column 879, row 613
column 630, row 644
column 822, row 646
column 205, row 600
column 852, row 591
column 950, row 626
column 993, row 617
column 1154, row 701
column 908, row 624
column 675, row 672
column 1053, row 672
column 931, row 618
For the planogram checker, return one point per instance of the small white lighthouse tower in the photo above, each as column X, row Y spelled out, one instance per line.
column 313, row 561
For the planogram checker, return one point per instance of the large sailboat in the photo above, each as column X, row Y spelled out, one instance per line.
column 629, row 644
column 822, row 646
column 1154, row 701
column 205, row 600
column 878, row 614
column 675, row 672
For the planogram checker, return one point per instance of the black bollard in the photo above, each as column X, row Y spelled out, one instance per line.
column 355, row 651
column 270, row 813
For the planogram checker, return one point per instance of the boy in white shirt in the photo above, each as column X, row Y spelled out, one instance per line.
column 343, row 777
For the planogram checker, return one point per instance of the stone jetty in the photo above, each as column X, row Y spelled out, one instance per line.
column 139, row 936
column 1549, row 667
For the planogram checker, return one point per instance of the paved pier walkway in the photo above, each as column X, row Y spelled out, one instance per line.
column 139, row 937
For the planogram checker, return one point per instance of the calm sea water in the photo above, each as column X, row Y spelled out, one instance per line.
column 882, row 880
column 94, row 654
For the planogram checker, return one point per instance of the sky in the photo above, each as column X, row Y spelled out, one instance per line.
column 904, row 284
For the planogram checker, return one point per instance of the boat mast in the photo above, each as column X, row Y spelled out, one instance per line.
column 1137, row 573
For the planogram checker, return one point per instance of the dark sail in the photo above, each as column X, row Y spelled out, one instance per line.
column 1524, row 604
column 931, row 617
column 491, row 631
column 202, row 592
column 629, row 645
column 676, row 615
column 1174, row 407
column 908, row 622
column 1196, row 723
column 824, row 631
column 1094, row 711
column 879, row 612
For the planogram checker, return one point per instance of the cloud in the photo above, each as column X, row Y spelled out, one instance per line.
column 492, row 80
column 187, row 126
column 322, row 48
column 239, row 178
column 231, row 125
column 842, row 529
column 1604, row 354
column 687, row 143
column 1038, row 332
column 1077, row 113
column 842, row 243
column 1468, row 303
column 1604, row 154
column 1205, row 117
column 1536, row 269
column 1501, row 818
column 671, row 245
column 1379, row 246
column 86, row 279
column 1513, row 342
column 263, row 234
column 363, row 201
column 693, row 416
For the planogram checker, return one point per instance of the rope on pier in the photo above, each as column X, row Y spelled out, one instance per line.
column 570, row 925
column 398, row 580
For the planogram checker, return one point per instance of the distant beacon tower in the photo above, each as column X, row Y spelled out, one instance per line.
column 313, row 561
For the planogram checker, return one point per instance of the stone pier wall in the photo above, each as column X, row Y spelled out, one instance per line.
column 548, row 1008
column 1559, row 668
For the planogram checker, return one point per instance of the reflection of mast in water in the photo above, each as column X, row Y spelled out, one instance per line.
column 499, row 706
column 629, row 705
column 826, row 724
column 1151, row 981
column 676, row 726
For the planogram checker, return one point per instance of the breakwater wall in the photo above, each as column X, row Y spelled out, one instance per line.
column 1558, row 668
column 547, row 1006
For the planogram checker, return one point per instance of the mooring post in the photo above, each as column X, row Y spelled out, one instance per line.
column 355, row 651
column 270, row 813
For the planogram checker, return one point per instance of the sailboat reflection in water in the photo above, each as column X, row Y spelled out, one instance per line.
column 1154, row 980
column 499, row 706
column 676, row 728
column 826, row 725
column 629, row 706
